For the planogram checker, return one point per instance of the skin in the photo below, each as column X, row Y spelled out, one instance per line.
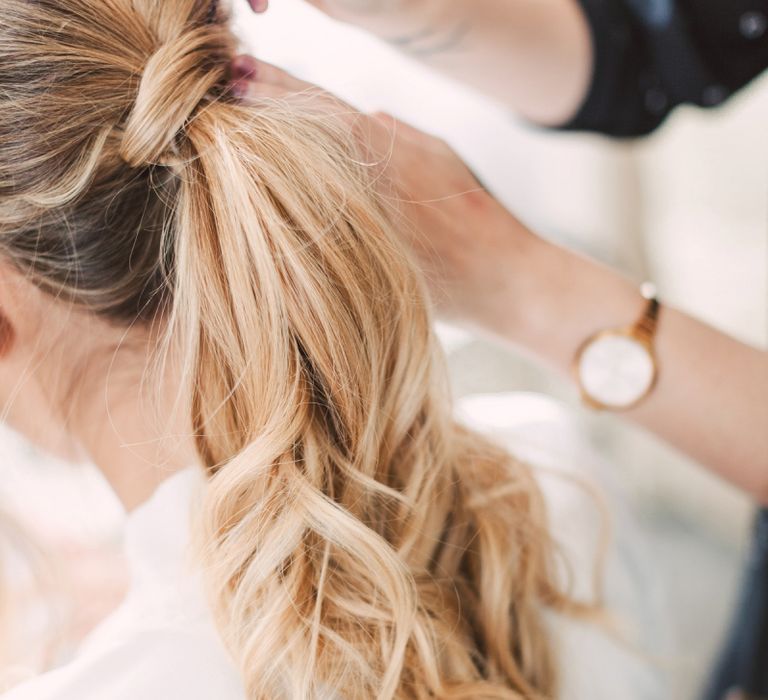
column 544, row 46
column 72, row 383
column 489, row 271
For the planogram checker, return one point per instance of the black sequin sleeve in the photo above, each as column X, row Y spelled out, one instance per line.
column 653, row 55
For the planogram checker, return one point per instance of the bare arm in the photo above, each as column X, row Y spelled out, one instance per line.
column 711, row 401
column 533, row 55
column 488, row 270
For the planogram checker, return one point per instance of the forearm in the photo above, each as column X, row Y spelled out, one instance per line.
column 533, row 55
column 484, row 267
column 711, row 400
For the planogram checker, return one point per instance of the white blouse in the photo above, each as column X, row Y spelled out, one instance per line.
column 161, row 643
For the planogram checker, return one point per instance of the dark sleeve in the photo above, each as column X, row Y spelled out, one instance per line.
column 653, row 55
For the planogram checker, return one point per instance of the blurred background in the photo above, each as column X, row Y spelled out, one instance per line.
column 687, row 208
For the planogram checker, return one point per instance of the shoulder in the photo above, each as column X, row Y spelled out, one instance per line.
column 151, row 665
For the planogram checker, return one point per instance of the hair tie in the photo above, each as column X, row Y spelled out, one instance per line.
column 175, row 81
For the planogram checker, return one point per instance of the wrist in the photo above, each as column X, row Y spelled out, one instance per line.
column 556, row 299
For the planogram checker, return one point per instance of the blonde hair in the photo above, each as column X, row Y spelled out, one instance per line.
column 355, row 540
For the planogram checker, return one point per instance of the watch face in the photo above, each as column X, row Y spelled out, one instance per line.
column 616, row 370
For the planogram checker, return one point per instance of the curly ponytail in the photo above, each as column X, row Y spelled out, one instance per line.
column 356, row 542
column 354, row 537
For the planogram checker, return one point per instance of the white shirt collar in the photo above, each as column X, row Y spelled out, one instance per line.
column 158, row 532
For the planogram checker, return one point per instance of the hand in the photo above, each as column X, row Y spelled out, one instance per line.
column 468, row 246
column 486, row 268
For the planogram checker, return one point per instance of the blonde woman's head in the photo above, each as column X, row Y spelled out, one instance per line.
column 143, row 208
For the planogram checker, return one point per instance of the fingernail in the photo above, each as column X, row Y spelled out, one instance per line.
column 259, row 5
column 244, row 70
column 244, row 67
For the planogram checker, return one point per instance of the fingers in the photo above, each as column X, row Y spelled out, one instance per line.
column 404, row 131
column 259, row 5
column 254, row 79
column 384, row 139
column 247, row 69
column 269, row 74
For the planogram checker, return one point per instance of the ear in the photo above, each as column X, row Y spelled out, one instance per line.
column 6, row 335
column 23, row 314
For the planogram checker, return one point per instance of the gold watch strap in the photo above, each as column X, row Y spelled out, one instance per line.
column 646, row 326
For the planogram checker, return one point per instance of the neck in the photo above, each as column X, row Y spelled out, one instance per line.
column 136, row 435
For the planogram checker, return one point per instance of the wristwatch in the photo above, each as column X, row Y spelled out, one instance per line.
column 617, row 368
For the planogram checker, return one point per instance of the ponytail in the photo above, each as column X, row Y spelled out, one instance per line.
column 349, row 536
column 355, row 541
